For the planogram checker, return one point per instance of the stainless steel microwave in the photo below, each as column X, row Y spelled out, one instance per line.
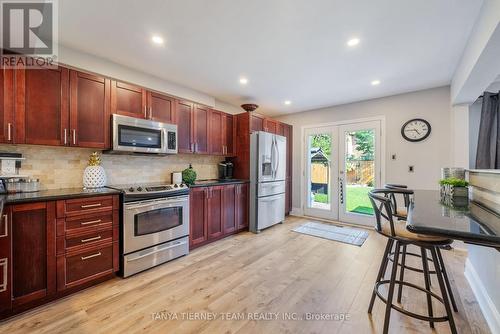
column 143, row 136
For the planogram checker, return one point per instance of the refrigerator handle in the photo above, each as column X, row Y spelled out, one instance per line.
column 278, row 156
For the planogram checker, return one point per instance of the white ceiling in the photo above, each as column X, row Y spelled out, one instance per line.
column 288, row 49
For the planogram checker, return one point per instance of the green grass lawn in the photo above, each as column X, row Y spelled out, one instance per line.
column 357, row 199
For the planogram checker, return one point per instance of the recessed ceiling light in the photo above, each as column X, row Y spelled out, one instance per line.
column 353, row 42
column 375, row 82
column 243, row 81
column 287, row 102
column 157, row 39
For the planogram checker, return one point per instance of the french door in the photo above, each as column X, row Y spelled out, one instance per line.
column 342, row 166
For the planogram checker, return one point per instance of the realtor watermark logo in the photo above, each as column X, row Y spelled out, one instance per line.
column 29, row 33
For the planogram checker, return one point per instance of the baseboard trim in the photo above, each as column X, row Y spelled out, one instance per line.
column 296, row 212
column 490, row 312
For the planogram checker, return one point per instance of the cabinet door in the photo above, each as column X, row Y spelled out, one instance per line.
column 288, row 196
column 33, row 252
column 89, row 110
column 161, row 108
column 281, row 129
column 42, row 115
column 198, row 215
column 128, row 100
column 5, row 262
column 242, row 206
column 256, row 123
column 270, row 125
column 217, row 144
column 229, row 134
column 214, row 208
column 184, row 122
column 201, row 139
column 6, row 105
column 229, row 208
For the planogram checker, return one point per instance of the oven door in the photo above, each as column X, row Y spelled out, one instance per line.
column 151, row 222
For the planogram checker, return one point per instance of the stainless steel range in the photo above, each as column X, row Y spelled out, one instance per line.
column 155, row 225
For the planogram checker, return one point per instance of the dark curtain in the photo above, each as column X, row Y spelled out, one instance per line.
column 488, row 144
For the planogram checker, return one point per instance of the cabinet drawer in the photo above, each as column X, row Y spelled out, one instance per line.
column 87, row 205
column 87, row 239
column 88, row 222
column 89, row 264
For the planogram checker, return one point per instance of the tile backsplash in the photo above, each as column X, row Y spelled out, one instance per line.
column 62, row 167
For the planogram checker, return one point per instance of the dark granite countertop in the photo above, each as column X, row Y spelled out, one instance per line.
column 55, row 194
column 467, row 220
column 215, row 182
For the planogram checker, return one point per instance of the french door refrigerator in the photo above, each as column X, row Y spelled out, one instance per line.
column 267, row 180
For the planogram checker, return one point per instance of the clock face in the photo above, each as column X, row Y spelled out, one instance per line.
column 416, row 130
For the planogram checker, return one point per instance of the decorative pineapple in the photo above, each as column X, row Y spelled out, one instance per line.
column 94, row 175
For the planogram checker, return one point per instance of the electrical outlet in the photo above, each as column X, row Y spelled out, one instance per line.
column 411, row 169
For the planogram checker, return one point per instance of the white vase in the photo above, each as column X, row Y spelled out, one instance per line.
column 94, row 177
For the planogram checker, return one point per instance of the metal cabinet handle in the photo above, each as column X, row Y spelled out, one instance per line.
column 150, row 112
column 145, row 112
column 74, row 137
column 6, row 227
column 90, row 206
column 5, row 265
column 91, row 222
column 9, row 131
column 65, row 136
column 91, row 256
column 91, row 239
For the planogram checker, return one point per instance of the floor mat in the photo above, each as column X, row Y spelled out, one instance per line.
column 348, row 235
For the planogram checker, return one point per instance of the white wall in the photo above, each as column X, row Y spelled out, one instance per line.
column 108, row 68
column 428, row 156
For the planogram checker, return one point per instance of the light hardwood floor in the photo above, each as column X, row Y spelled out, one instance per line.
column 277, row 271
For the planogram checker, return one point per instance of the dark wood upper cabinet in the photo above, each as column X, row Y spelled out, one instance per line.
column 229, row 131
column 128, row 100
column 6, row 105
column 41, row 106
column 161, row 108
column 200, row 127
column 89, row 110
column 217, row 145
column 33, row 252
column 214, row 210
column 184, row 122
column 5, row 261
column 241, row 206
column 198, row 233
column 271, row 125
column 281, row 129
column 256, row 123
column 228, row 208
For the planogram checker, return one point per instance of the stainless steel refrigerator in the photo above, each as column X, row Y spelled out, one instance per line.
column 267, row 180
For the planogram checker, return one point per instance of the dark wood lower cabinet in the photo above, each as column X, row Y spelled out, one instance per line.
column 46, row 254
column 216, row 212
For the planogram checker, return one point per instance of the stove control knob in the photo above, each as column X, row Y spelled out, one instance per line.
column 139, row 188
column 176, row 185
column 131, row 189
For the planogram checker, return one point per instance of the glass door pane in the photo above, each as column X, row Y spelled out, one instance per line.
column 359, row 171
column 321, row 195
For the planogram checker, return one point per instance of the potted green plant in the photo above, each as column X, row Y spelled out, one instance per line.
column 454, row 187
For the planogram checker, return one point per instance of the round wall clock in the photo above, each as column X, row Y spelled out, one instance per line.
column 416, row 129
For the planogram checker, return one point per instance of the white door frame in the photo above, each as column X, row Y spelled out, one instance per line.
column 303, row 177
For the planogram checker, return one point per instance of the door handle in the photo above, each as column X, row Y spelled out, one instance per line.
column 9, row 131
column 5, row 265
column 6, row 227
column 341, row 190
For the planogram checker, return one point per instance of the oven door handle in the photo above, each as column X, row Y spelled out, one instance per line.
column 178, row 243
column 162, row 204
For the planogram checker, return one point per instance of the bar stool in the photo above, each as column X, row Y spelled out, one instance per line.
column 399, row 236
column 401, row 214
